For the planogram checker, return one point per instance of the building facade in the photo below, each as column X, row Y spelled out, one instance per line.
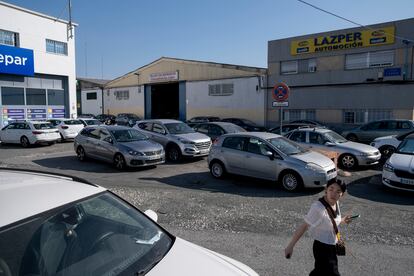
column 182, row 89
column 37, row 65
column 349, row 76
column 90, row 96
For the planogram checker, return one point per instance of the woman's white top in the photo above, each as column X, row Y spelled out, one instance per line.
column 320, row 225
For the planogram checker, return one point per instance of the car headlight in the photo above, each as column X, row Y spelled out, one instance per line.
column 365, row 154
column 135, row 153
column 314, row 167
column 187, row 142
column 387, row 167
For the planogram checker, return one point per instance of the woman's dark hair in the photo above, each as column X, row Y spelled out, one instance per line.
column 340, row 183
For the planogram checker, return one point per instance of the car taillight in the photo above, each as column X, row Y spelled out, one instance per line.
column 65, row 127
column 37, row 132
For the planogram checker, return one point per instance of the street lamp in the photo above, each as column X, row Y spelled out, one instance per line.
column 139, row 88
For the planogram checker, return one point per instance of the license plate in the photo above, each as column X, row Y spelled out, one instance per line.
column 153, row 157
column 407, row 181
column 203, row 151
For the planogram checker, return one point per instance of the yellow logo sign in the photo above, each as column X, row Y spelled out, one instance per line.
column 343, row 41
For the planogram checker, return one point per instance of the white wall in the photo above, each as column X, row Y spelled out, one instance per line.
column 135, row 103
column 246, row 102
column 33, row 30
column 92, row 106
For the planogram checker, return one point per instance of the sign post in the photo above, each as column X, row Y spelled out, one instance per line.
column 280, row 93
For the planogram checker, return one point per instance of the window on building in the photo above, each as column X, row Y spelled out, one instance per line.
column 369, row 60
column 56, row 47
column 12, row 96
column 122, row 95
column 55, row 97
column 221, row 89
column 35, row 96
column 289, row 67
column 378, row 114
column 9, row 38
column 299, row 114
column 361, row 116
column 298, row 66
column 91, row 96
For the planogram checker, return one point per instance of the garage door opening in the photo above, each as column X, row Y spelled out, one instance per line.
column 165, row 101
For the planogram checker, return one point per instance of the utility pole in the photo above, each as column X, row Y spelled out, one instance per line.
column 70, row 26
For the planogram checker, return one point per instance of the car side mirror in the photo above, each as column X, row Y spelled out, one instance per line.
column 109, row 140
column 151, row 214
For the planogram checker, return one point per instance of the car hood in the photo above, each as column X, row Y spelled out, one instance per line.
column 384, row 138
column 144, row 145
column 194, row 137
column 356, row 146
column 402, row 161
column 314, row 157
column 186, row 258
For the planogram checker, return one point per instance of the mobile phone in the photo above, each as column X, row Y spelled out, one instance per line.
column 355, row 216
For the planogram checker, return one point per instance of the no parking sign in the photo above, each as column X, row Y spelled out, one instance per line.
column 280, row 92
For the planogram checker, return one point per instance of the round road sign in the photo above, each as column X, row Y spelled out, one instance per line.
column 280, row 92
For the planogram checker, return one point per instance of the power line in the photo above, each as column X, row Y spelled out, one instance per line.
column 404, row 40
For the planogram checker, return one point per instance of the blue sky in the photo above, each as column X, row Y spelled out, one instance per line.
column 117, row 36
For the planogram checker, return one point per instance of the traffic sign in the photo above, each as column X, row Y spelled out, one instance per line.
column 276, row 104
column 280, row 92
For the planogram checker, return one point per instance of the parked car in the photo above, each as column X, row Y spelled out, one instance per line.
column 68, row 128
column 270, row 156
column 90, row 121
column 244, row 123
column 289, row 127
column 126, row 119
column 179, row 140
column 29, row 133
column 368, row 132
column 107, row 119
column 398, row 170
column 86, row 115
column 388, row 144
column 307, row 122
column 203, row 119
column 216, row 129
column 351, row 154
column 119, row 145
column 72, row 227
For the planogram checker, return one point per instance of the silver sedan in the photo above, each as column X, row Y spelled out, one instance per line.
column 122, row 146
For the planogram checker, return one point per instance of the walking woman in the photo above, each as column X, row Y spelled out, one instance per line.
column 321, row 229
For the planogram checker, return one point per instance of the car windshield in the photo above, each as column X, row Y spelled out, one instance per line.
column 233, row 128
column 128, row 135
column 98, row 236
column 92, row 122
column 406, row 147
column 286, row 146
column 43, row 126
column 179, row 128
column 72, row 122
column 334, row 137
column 248, row 122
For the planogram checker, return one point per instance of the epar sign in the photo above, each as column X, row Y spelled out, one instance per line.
column 17, row 61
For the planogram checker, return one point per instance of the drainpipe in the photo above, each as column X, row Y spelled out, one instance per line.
column 405, row 72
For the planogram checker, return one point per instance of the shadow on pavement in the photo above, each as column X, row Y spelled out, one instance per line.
column 233, row 184
column 371, row 188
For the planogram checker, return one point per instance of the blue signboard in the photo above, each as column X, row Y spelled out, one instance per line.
column 14, row 111
column 17, row 61
column 58, row 115
column 16, row 116
column 58, row 110
column 389, row 72
column 37, row 116
column 36, row 110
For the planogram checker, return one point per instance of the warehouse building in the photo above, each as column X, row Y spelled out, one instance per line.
column 90, row 96
column 37, row 65
column 182, row 89
column 348, row 76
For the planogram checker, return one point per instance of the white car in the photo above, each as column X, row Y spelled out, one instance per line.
column 68, row 128
column 388, row 144
column 28, row 133
column 398, row 171
column 55, row 225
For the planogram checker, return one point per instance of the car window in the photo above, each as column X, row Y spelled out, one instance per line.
column 236, row 143
column 128, row 135
column 179, row 128
column 406, row 147
column 104, row 134
column 94, row 133
column 298, row 136
column 11, row 126
column 257, row 146
column 73, row 122
column 316, row 138
column 404, row 125
column 202, row 128
column 215, row 130
column 158, row 128
column 286, row 146
column 145, row 126
column 372, row 126
column 43, row 126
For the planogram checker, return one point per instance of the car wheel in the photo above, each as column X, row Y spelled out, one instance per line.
column 217, row 169
column 119, row 162
column 348, row 161
column 352, row 137
column 174, row 153
column 80, row 152
column 386, row 152
column 291, row 181
column 24, row 142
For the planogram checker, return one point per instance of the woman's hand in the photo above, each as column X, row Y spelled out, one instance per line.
column 347, row 219
column 288, row 251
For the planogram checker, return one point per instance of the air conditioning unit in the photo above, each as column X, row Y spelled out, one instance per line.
column 312, row 69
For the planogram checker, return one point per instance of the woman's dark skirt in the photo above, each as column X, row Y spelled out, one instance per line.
column 326, row 261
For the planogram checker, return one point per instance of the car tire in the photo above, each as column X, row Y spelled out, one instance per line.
column 352, row 137
column 348, row 161
column 119, row 162
column 217, row 169
column 386, row 151
column 174, row 153
column 80, row 152
column 291, row 181
column 24, row 142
